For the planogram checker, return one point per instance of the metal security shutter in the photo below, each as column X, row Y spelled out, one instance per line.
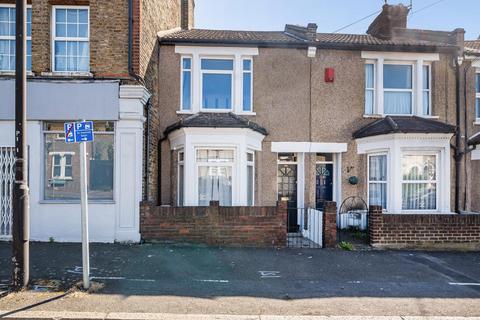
column 7, row 177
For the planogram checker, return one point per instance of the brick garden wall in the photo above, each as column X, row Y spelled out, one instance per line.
column 424, row 231
column 215, row 225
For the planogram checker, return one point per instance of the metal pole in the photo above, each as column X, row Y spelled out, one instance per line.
column 84, row 199
column 20, row 223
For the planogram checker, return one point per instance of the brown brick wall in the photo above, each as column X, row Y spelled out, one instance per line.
column 330, row 224
column 215, row 225
column 424, row 231
column 108, row 36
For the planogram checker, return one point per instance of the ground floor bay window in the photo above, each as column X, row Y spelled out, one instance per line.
column 215, row 164
column 408, row 173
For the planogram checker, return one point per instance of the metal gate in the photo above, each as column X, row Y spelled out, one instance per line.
column 7, row 177
column 310, row 228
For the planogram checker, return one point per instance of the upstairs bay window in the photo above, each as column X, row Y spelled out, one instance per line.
column 71, row 39
column 7, row 38
column 398, row 83
column 216, row 79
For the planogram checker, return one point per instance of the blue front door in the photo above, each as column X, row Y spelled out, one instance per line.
column 324, row 184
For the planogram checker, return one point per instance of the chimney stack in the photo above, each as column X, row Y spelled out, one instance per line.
column 185, row 14
column 391, row 17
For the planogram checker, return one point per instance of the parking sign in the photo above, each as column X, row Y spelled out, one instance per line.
column 69, row 132
column 84, row 131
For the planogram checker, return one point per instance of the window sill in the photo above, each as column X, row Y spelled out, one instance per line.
column 378, row 116
column 67, row 74
column 12, row 73
column 247, row 113
column 185, row 112
column 94, row 202
column 476, row 122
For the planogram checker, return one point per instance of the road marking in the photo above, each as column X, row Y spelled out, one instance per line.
column 212, row 280
column 464, row 283
column 269, row 274
column 108, row 278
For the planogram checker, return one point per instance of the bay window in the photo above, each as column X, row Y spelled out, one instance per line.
column 216, row 79
column 71, row 52
column 419, row 182
column 398, row 89
column 377, row 180
column 7, row 38
column 398, row 83
column 181, row 178
column 61, row 164
column 214, row 169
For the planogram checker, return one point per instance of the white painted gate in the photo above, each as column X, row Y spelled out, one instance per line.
column 7, row 177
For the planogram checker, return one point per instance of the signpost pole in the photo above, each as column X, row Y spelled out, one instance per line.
column 84, row 200
column 20, row 223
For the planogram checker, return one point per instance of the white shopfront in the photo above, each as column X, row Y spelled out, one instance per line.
column 114, row 158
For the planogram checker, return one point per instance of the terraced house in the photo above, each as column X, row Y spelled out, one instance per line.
column 94, row 60
column 250, row 118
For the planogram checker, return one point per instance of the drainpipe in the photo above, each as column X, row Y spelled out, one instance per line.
column 458, row 136
column 147, row 150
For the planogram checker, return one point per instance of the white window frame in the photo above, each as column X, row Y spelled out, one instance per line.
column 181, row 163
column 238, row 54
column 80, row 39
column 437, row 181
column 228, row 72
column 62, row 165
column 10, row 38
column 251, row 84
column 477, row 97
column 182, row 70
column 372, row 89
column 412, row 90
column 43, row 174
column 429, row 90
column 252, row 165
column 386, row 182
column 418, row 60
column 232, row 164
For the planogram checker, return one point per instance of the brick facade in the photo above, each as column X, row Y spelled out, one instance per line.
column 330, row 224
column 424, row 231
column 215, row 225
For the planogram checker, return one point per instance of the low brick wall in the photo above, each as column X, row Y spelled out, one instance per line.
column 215, row 225
column 424, row 231
column 330, row 224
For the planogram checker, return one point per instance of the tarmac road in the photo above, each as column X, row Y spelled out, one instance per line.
column 199, row 279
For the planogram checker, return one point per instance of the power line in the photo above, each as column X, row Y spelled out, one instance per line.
column 427, row 6
column 357, row 21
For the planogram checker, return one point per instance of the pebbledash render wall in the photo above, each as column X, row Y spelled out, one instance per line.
column 424, row 231
column 284, row 103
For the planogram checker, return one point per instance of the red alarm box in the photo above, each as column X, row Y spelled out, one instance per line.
column 329, row 75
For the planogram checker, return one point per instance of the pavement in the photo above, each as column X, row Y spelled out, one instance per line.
column 158, row 280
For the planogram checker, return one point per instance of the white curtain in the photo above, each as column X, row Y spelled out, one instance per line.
column 214, row 183
column 397, row 102
column 378, row 180
column 419, row 188
column 369, row 88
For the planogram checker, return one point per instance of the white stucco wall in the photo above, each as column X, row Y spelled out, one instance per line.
column 116, row 220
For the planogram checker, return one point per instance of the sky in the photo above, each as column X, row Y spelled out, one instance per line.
column 331, row 15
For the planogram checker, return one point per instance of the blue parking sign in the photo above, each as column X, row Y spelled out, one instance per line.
column 84, row 131
column 78, row 131
column 69, row 132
